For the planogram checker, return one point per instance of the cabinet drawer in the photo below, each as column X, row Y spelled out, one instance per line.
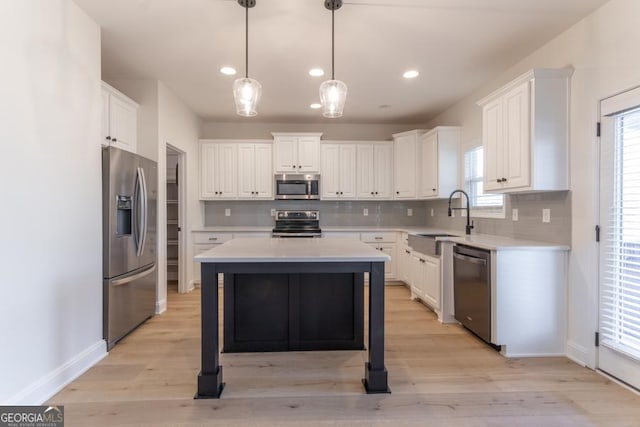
column 378, row 237
column 212, row 237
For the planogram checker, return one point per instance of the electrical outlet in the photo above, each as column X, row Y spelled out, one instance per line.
column 365, row 212
column 227, row 212
column 514, row 214
column 409, row 212
column 273, row 212
column 546, row 215
column 431, row 211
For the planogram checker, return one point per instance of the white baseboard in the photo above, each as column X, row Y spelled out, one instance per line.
column 577, row 353
column 161, row 306
column 47, row 386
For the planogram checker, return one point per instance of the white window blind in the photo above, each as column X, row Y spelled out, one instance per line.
column 473, row 177
column 620, row 293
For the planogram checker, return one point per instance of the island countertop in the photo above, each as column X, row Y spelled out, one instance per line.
column 292, row 250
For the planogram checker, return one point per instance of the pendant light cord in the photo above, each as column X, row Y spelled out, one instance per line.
column 246, row 40
column 332, row 45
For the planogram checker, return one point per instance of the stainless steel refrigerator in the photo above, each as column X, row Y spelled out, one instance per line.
column 129, row 195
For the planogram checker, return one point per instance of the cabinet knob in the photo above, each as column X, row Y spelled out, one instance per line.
column 499, row 180
column 376, row 192
column 504, row 179
column 213, row 238
column 433, row 189
column 114, row 139
column 108, row 138
column 337, row 192
column 341, row 193
column 397, row 192
column 372, row 193
column 299, row 167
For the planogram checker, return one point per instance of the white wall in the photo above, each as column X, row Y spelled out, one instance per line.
column 179, row 127
column 603, row 50
column 50, row 187
column 334, row 131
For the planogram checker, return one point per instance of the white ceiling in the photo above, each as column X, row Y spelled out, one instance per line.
column 455, row 44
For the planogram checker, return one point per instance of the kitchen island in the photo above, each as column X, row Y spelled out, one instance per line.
column 269, row 270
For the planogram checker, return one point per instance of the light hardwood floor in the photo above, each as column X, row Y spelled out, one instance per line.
column 440, row 375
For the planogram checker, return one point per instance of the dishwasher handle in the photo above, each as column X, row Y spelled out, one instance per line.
column 470, row 259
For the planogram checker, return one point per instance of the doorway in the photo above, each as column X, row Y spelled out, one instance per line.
column 175, row 205
column 619, row 281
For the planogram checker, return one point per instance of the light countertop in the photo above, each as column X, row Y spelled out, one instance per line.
column 292, row 250
column 483, row 241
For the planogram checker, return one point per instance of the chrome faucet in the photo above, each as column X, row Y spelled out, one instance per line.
column 450, row 210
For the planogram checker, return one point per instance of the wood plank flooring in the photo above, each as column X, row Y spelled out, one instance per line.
column 440, row 375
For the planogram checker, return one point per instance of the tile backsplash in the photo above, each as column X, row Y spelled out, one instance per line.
column 332, row 213
column 394, row 213
column 529, row 225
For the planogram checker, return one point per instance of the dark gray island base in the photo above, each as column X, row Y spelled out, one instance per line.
column 309, row 274
column 293, row 312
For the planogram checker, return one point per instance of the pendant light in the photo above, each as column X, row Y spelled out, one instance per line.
column 333, row 93
column 246, row 91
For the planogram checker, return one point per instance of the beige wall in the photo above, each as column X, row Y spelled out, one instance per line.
column 602, row 49
column 51, row 187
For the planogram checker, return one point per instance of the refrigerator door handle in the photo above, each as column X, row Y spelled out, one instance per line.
column 136, row 212
column 145, row 211
column 129, row 279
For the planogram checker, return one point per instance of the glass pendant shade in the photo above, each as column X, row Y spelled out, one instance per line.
column 246, row 92
column 333, row 94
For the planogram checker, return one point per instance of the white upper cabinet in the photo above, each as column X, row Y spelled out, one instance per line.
column 406, row 166
column 525, row 132
column 374, row 170
column 255, row 173
column 218, row 170
column 439, row 150
column 338, row 170
column 296, row 152
column 119, row 119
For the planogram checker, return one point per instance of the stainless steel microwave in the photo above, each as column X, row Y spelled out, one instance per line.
column 297, row 187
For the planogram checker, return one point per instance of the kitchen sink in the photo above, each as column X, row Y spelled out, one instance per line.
column 427, row 244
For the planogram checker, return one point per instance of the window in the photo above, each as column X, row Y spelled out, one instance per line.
column 620, row 298
column 482, row 204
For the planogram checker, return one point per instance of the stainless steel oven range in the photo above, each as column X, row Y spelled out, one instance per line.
column 297, row 224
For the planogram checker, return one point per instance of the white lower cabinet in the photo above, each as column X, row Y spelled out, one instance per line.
column 203, row 241
column 384, row 241
column 424, row 278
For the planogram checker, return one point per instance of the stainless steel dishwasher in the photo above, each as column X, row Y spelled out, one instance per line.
column 472, row 289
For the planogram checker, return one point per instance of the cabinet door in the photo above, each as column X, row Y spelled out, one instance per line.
column 431, row 286
column 492, row 137
column 286, row 153
column 405, row 152
column 416, row 275
column 264, row 171
column 246, row 170
column 122, row 123
column 366, row 171
column 389, row 266
column 227, row 170
column 208, row 169
column 429, row 166
column 330, row 171
column 516, row 142
column 308, row 154
column 383, row 170
column 348, row 171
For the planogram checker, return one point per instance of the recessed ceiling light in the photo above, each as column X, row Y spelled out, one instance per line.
column 316, row 72
column 228, row 71
column 315, row 105
column 411, row 74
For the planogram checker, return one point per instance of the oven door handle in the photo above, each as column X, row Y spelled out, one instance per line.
column 470, row 259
